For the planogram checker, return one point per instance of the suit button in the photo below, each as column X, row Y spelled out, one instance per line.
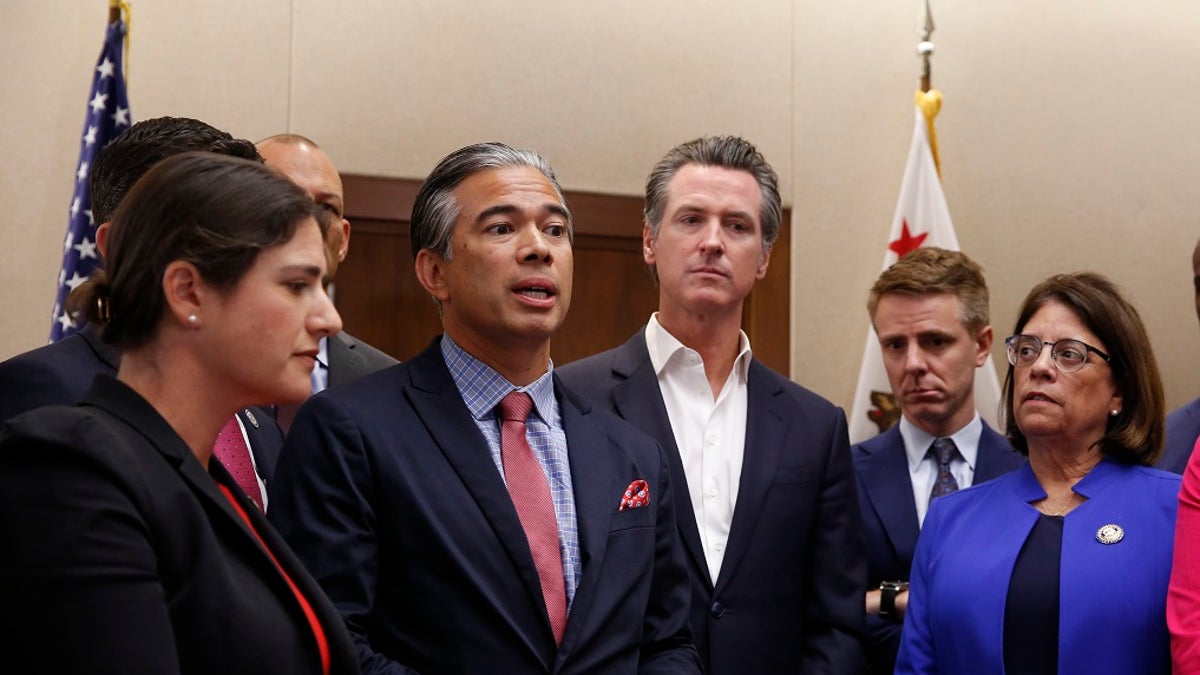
column 716, row 610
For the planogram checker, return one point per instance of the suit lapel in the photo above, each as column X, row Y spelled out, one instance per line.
column 638, row 400
column 438, row 404
column 340, row 352
column 885, row 479
column 125, row 404
column 996, row 457
column 766, row 429
column 599, row 474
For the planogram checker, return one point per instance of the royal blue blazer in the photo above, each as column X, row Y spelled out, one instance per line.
column 1112, row 597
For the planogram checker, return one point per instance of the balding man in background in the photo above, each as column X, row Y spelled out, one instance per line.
column 343, row 358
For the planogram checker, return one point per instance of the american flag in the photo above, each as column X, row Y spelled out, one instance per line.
column 107, row 116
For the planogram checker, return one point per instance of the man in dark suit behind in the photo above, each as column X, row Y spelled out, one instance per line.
column 930, row 311
column 1183, row 424
column 761, row 466
column 61, row 373
column 455, row 533
column 342, row 358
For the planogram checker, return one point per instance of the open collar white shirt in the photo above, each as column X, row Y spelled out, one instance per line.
column 710, row 433
column 923, row 469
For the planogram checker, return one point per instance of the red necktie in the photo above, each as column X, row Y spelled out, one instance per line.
column 231, row 450
column 531, row 495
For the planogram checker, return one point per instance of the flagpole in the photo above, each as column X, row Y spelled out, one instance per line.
column 928, row 99
column 114, row 11
column 925, row 49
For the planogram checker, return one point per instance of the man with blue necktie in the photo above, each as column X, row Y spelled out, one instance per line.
column 930, row 311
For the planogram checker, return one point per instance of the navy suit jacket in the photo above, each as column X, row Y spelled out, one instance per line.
column 1112, row 597
column 1183, row 428
column 61, row 373
column 126, row 557
column 789, row 595
column 351, row 358
column 889, row 515
column 388, row 492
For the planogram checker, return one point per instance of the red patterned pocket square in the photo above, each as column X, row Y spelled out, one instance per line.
column 636, row 496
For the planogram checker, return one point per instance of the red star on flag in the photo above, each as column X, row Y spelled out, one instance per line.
column 906, row 243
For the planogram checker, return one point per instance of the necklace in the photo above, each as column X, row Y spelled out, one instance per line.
column 1044, row 508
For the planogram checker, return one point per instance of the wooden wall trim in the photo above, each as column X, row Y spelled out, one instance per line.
column 382, row 206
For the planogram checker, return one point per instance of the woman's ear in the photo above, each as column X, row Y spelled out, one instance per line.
column 185, row 293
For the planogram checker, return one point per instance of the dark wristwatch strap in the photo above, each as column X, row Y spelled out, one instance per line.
column 887, row 598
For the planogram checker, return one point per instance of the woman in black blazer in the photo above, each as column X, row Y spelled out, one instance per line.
column 127, row 548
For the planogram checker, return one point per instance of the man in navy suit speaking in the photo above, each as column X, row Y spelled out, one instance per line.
column 465, row 511
column 930, row 311
column 760, row 465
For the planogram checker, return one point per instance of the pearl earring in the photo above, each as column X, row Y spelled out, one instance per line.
column 192, row 319
column 1114, row 413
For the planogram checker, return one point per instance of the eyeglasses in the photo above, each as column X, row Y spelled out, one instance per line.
column 1067, row 355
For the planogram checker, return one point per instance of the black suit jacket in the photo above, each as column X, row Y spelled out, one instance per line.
column 1183, row 428
column 789, row 594
column 388, row 492
column 889, row 515
column 122, row 555
column 351, row 358
column 61, row 373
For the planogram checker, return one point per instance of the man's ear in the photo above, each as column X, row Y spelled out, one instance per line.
column 102, row 233
column 345, row 247
column 763, row 263
column 431, row 272
column 185, row 293
column 647, row 244
column 983, row 345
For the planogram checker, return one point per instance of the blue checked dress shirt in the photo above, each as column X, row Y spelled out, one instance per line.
column 482, row 389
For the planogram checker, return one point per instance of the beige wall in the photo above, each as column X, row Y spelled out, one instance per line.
column 1067, row 135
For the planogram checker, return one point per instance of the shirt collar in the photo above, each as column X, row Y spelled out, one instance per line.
column 917, row 441
column 482, row 388
column 665, row 348
column 323, row 352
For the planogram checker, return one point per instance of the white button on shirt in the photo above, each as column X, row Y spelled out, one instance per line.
column 923, row 470
column 710, row 434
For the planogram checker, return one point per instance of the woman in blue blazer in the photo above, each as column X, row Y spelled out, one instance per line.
column 127, row 547
column 1061, row 566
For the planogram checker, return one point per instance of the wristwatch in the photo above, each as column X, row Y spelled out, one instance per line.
column 887, row 598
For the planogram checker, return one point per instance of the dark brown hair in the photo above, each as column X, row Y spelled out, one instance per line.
column 1135, row 435
column 129, row 156
column 214, row 211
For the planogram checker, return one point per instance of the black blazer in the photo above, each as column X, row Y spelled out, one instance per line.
column 123, row 556
column 789, row 595
column 351, row 358
column 889, row 515
column 61, row 374
column 387, row 491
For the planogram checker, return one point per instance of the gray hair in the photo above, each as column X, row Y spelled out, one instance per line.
column 435, row 209
column 728, row 152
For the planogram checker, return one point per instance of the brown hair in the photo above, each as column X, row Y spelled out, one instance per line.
column 1135, row 435
column 214, row 211
column 726, row 152
column 931, row 270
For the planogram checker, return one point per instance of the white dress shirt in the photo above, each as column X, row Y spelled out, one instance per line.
column 923, row 470
column 710, row 434
column 320, row 371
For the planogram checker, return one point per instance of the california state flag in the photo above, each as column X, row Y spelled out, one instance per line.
column 922, row 219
